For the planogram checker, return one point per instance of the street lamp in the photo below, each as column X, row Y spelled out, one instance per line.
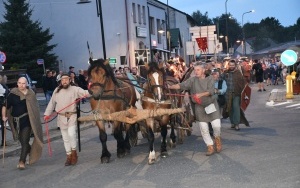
column 99, row 14
column 218, row 26
column 244, row 41
column 168, row 36
column 226, row 38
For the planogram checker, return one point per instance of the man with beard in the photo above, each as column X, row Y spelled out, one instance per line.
column 64, row 95
column 206, row 106
column 24, row 118
column 235, row 85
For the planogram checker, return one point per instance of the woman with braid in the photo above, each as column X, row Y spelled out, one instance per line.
column 22, row 112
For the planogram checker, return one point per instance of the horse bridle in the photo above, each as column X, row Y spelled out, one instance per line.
column 156, row 85
column 109, row 97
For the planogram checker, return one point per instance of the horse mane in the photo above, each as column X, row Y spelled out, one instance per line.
column 107, row 68
column 155, row 67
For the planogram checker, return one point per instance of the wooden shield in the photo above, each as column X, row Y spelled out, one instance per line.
column 245, row 97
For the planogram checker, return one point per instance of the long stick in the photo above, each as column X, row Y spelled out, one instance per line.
column 78, row 125
column 4, row 142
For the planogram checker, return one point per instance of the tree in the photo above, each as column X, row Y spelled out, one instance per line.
column 201, row 19
column 234, row 29
column 23, row 40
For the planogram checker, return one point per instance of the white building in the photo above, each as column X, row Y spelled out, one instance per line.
column 130, row 30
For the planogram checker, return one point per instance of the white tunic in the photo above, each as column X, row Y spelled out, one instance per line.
column 60, row 102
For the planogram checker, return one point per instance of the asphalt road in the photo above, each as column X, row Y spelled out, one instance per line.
column 265, row 155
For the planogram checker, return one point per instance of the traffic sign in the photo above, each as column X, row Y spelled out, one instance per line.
column 112, row 60
column 40, row 61
column 2, row 57
column 288, row 57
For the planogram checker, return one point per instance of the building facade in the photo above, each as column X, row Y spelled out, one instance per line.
column 131, row 31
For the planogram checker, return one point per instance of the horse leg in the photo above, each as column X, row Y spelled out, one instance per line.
column 105, row 157
column 163, row 146
column 150, row 128
column 131, row 135
column 172, row 134
column 132, row 132
column 118, row 134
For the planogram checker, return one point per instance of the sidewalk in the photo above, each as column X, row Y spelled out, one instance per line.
column 13, row 148
column 278, row 94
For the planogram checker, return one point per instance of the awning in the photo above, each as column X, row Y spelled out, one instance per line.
column 160, row 49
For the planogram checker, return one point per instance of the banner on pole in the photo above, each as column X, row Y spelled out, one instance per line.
column 202, row 43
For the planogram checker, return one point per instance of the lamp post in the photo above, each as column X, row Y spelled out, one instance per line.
column 168, row 29
column 226, row 38
column 161, row 31
column 99, row 14
column 243, row 30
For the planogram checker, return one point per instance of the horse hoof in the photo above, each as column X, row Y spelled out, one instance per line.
column 188, row 133
column 151, row 161
column 121, row 155
column 104, row 160
column 172, row 144
column 127, row 151
column 164, row 154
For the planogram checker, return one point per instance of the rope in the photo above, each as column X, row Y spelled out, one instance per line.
column 48, row 140
column 50, row 120
column 77, row 100
column 194, row 96
column 4, row 143
column 47, row 127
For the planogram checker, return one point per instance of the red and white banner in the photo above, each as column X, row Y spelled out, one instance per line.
column 202, row 43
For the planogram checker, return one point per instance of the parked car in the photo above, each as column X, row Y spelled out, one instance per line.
column 14, row 75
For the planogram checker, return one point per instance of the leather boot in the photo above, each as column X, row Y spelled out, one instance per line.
column 68, row 161
column 74, row 157
column 218, row 144
column 210, row 150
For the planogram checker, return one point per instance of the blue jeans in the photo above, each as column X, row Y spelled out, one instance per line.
column 48, row 95
column 235, row 115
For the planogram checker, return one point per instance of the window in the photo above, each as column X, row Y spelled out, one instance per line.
column 144, row 15
column 152, row 26
column 133, row 13
column 158, row 26
column 139, row 14
column 123, row 60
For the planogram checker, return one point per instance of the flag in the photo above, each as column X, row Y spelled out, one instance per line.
column 202, row 43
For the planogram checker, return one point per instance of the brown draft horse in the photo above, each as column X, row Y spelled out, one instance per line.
column 110, row 95
column 155, row 97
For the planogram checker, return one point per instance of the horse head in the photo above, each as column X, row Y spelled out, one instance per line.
column 101, row 76
column 156, row 80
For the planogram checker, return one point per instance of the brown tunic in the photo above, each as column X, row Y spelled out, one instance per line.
column 35, row 122
column 196, row 85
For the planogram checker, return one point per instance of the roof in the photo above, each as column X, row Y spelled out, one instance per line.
column 280, row 48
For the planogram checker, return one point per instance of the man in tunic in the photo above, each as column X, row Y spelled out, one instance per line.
column 235, row 85
column 206, row 106
column 24, row 117
column 64, row 95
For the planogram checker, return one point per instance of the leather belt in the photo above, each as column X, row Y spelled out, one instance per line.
column 67, row 114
